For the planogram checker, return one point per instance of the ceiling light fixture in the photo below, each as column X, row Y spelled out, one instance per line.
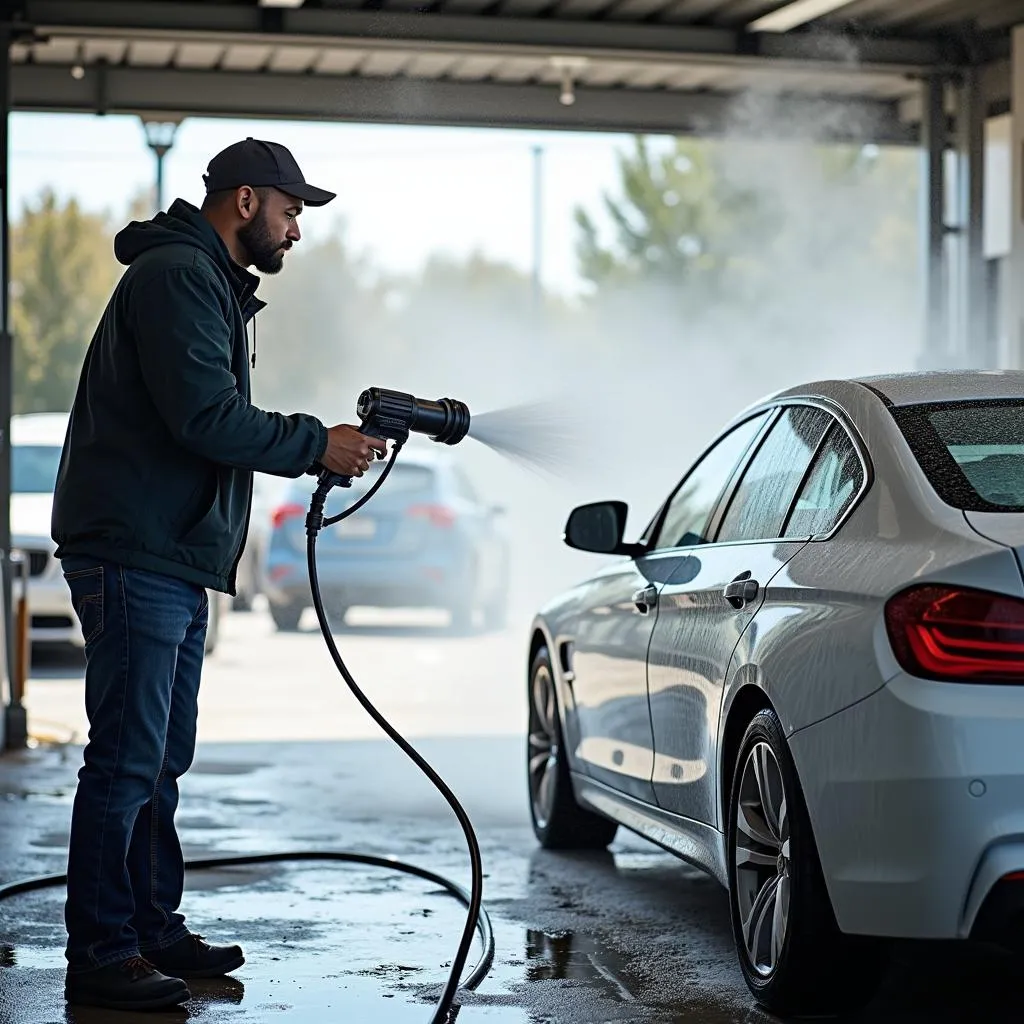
column 794, row 14
column 570, row 69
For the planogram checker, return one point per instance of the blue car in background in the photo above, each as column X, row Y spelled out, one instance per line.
column 425, row 540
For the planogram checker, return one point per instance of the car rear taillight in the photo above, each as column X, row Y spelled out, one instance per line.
column 438, row 515
column 957, row 634
column 283, row 513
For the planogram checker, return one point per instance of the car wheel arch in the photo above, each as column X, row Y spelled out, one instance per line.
column 541, row 639
column 537, row 641
column 748, row 702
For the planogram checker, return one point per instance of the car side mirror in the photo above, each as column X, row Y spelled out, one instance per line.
column 599, row 528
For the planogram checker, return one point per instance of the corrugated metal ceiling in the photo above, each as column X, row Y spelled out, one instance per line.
column 913, row 17
column 620, row 45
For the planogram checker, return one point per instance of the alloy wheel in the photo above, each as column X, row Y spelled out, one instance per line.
column 762, row 859
column 543, row 750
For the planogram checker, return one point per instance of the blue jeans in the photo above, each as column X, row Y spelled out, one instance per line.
column 145, row 638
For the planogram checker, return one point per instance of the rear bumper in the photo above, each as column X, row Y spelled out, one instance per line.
column 916, row 796
column 52, row 618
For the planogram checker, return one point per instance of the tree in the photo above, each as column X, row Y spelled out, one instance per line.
column 471, row 324
column 732, row 220
column 62, row 272
column 680, row 222
column 325, row 321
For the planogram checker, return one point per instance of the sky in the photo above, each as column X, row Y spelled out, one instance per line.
column 403, row 192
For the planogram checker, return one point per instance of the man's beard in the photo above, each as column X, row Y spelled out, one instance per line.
column 265, row 254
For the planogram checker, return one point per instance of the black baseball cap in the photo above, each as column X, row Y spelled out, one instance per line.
column 262, row 164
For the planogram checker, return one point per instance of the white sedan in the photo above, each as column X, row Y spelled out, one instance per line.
column 807, row 678
column 36, row 443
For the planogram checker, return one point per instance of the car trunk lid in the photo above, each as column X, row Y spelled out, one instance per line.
column 396, row 522
column 1002, row 527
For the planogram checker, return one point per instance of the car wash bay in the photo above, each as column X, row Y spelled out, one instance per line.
column 633, row 935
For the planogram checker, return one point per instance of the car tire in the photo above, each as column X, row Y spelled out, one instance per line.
column 794, row 958
column 559, row 822
column 287, row 616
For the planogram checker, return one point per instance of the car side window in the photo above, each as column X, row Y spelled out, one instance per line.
column 689, row 510
column 832, row 486
column 759, row 507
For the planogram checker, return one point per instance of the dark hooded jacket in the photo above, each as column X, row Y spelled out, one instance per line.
column 162, row 441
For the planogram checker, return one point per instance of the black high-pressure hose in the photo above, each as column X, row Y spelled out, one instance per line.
column 477, row 918
column 314, row 521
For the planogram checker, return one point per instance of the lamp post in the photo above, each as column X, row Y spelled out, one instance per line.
column 538, row 228
column 160, row 139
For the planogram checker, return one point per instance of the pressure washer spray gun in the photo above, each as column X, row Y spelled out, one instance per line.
column 392, row 416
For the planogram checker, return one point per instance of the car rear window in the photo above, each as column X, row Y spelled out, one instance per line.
column 972, row 452
column 409, row 479
column 401, row 480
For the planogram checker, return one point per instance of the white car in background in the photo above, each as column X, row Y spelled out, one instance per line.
column 36, row 443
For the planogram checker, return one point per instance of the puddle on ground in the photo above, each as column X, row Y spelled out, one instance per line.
column 348, row 942
column 351, row 943
column 323, row 943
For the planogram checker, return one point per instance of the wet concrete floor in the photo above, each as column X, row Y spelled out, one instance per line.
column 632, row 935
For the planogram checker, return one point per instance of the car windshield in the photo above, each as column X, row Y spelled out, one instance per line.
column 34, row 468
column 972, row 452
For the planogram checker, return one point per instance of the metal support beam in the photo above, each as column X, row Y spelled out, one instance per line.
column 13, row 727
column 512, row 35
column 933, row 140
column 538, row 231
column 975, row 343
column 159, row 94
column 1012, row 354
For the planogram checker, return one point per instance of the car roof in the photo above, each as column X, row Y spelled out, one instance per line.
column 39, row 428
column 947, row 386
column 917, row 388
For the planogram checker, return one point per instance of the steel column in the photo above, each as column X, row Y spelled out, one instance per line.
column 975, row 344
column 538, row 229
column 933, row 221
column 12, row 728
column 1012, row 354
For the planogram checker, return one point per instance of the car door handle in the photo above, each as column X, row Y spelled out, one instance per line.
column 742, row 591
column 646, row 599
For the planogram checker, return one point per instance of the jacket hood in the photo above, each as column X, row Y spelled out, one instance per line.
column 184, row 224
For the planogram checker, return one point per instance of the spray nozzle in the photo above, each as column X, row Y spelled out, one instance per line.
column 392, row 415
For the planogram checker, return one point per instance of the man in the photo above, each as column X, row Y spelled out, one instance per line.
column 151, row 508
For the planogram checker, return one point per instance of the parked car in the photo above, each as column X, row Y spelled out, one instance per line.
column 266, row 493
column 36, row 443
column 427, row 539
column 807, row 678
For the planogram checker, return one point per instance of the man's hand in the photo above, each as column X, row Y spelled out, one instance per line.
column 349, row 451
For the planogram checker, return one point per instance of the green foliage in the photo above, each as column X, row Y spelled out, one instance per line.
column 323, row 309
column 62, row 272
column 680, row 222
column 719, row 225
